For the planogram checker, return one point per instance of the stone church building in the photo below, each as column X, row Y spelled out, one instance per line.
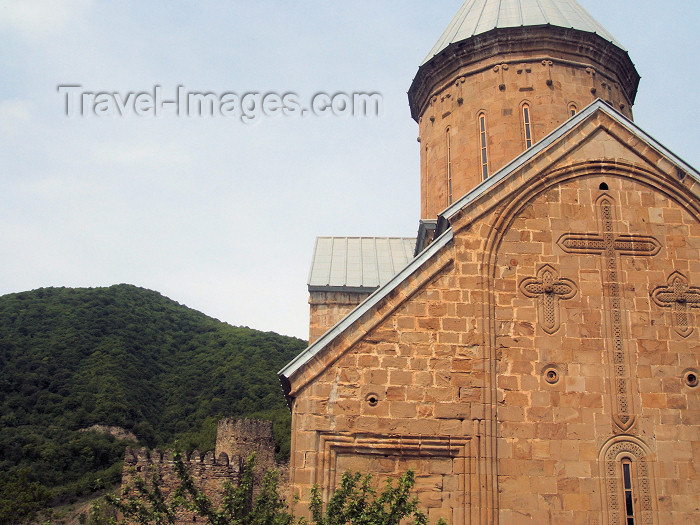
column 534, row 354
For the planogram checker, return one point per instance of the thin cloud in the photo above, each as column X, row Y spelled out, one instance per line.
column 42, row 19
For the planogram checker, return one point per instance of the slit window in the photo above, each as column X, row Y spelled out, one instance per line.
column 484, row 152
column 527, row 126
column 448, row 144
column 627, row 485
column 572, row 110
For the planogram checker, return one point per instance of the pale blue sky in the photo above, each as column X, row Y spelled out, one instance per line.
column 219, row 215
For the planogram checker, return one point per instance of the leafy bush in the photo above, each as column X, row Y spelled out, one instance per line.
column 356, row 503
column 353, row 503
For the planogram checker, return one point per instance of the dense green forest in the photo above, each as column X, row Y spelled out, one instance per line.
column 122, row 356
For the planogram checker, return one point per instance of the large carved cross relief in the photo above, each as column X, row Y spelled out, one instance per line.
column 611, row 246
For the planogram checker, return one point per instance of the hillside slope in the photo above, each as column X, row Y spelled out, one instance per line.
column 127, row 357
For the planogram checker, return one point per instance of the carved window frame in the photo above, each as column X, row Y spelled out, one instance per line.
column 612, row 457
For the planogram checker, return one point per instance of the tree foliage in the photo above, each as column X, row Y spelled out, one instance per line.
column 20, row 497
column 355, row 502
column 127, row 357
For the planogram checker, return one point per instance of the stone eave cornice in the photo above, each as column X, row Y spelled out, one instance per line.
column 385, row 295
column 522, row 44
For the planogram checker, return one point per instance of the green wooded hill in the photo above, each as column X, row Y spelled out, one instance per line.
column 122, row 356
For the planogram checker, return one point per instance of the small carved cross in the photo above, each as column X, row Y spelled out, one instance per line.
column 680, row 297
column 548, row 288
column 526, row 82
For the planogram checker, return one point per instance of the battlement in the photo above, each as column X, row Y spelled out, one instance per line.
column 235, row 441
column 144, row 456
column 243, row 430
column 242, row 437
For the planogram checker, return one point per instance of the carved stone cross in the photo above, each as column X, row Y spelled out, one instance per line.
column 526, row 83
column 548, row 288
column 680, row 297
column 612, row 246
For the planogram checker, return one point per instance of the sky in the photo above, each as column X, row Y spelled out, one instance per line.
column 219, row 214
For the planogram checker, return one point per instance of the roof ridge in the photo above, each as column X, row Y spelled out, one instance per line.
column 382, row 291
column 446, row 235
column 544, row 15
column 553, row 136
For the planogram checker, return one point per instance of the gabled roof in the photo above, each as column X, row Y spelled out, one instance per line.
column 445, row 232
column 304, row 357
column 479, row 16
column 357, row 264
column 558, row 133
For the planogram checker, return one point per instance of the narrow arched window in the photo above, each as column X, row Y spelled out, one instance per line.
column 626, row 482
column 628, row 495
column 484, row 151
column 572, row 109
column 448, row 145
column 527, row 126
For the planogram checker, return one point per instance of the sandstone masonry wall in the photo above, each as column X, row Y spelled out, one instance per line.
column 551, row 341
column 327, row 308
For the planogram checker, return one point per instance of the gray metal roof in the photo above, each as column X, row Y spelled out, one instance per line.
column 358, row 263
column 479, row 16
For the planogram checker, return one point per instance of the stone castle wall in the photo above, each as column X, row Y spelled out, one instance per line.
column 240, row 438
column 209, row 473
column 236, row 441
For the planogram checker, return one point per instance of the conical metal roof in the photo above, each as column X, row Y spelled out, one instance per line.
column 479, row 16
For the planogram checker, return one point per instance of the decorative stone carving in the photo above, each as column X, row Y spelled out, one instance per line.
column 548, row 288
column 611, row 455
column 445, row 464
column 612, row 246
column 678, row 295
